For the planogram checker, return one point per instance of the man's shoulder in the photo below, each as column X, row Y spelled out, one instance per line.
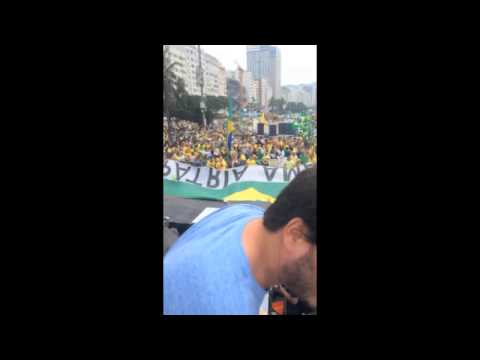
column 247, row 209
column 227, row 219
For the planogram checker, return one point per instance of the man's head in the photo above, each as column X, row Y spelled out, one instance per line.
column 293, row 220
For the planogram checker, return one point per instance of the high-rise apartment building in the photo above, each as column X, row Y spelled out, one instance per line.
column 264, row 61
column 263, row 92
column 214, row 74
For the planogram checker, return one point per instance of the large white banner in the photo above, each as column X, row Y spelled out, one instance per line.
column 218, row 179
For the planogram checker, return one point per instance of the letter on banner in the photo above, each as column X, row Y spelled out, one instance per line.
column 211, row 176
column 183, row 169
column 272, row 173
column 238, row 177
column 226, row 179
column 288, row 177
column 194, row 181
column 166, row 166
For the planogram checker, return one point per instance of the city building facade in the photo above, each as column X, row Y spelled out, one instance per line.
column 214, row 73
column 263, row 93
column 248, row 83
column 264, row 62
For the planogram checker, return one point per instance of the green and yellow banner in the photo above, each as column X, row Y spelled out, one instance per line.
column 244, row 183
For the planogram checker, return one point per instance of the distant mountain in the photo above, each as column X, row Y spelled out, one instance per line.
column 307, row 87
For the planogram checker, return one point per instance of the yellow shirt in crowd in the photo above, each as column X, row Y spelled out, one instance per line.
column 289, row 164
column 221, row 164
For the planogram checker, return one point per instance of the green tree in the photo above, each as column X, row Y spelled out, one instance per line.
column 216, row 103
column 294, row 107
column 291, row 107
column 272, row 104
column 253, row 105
column 188, row 106
column 277, row 105
column 180, row 90
column 182, row 108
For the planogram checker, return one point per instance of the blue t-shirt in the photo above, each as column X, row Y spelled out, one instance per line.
column 206, row 271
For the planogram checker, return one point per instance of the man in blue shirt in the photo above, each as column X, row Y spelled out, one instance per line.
column 224, row 264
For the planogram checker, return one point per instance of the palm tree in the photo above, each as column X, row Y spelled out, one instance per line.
column 277, row 105
column 271, row 104
column 281, row 105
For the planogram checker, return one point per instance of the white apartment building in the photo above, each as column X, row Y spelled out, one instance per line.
column 255, row 84
column 249, row 85
column 262, row 92
column 264, row 62
column 215, row 77
column 297, row 93
column 268, row 94
column 213, row 71
column 222, row 80
column 253, row 92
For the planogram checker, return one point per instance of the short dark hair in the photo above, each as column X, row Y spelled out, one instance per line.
column 298, row 199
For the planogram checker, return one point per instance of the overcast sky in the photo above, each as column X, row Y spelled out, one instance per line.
column 299, row 62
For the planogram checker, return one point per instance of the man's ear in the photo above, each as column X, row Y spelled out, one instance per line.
column 294, row 238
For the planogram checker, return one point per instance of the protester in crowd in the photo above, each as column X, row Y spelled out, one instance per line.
column 221, row 164
column 243, row 159
column 266, row 160
column 250, row 161
column 211, row 163
column 234, row 159
column 290, row 163
column 201, row 147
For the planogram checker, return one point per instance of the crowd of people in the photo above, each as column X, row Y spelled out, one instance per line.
column 207, row 147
